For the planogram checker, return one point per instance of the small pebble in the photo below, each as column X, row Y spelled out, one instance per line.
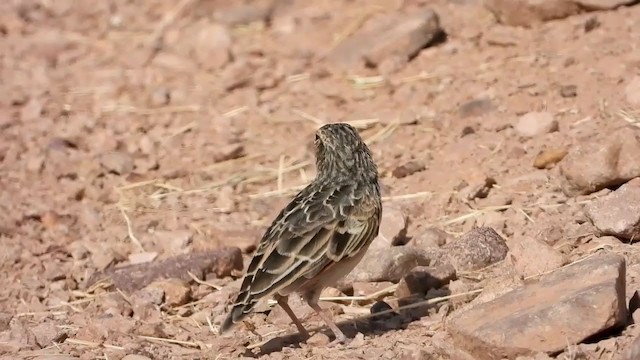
column 318, row 339
column 568, row 91
column 549, row 157
column 591, row 24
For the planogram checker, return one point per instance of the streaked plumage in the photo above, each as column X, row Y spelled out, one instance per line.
column 322, row 234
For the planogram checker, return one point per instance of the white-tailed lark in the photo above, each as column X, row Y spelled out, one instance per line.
column 321, row 235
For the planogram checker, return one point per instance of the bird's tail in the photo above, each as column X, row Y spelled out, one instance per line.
column 238, row 312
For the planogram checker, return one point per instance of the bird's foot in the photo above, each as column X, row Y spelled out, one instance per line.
column 339, row 340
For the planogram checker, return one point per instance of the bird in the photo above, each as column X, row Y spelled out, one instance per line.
column 321, row 235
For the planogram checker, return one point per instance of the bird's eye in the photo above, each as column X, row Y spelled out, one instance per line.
column 317, row 138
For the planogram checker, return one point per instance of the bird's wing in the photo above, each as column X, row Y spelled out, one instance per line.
column 312, row 232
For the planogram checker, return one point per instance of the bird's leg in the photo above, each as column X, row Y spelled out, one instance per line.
column 283, row 301
column 340, row 337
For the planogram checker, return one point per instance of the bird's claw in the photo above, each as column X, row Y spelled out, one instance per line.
column 340, row 340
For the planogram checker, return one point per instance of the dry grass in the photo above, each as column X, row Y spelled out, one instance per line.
column 125, row 109
column 315, row 120
column 631, row 117
column 367, row 82
column 164, row 341
column 413, row 196
column 141, row 195
column 219, row 166
column 91, row 344
column 371, row 82
column 202, row 282
column 520, row 208
column 130, row 233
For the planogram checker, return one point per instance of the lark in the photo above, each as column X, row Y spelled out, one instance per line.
column 321, row 235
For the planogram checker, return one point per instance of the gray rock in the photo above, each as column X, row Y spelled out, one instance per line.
column 602, row 4
column 429, row 238
column 533, row 124
column 618, row 213
column 530, row 12
column 533, row 257
column 596, row 164
column 479, row 248
column 388, row 264
column 222, row 262
column 399, row 36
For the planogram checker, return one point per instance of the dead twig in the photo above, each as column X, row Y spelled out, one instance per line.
column 130, row 233
column 92, row 344
column 202, row 282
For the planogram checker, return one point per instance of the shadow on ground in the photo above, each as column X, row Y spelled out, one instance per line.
column 382, row 320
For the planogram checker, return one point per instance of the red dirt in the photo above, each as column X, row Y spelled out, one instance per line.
column 88, row 107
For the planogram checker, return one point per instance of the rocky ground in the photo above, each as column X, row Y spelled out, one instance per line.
column 145, row 147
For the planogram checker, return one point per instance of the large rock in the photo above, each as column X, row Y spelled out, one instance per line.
column 602, row 4
column 223, row 262
column 475, row 250
column 618, row 213
column 479, row 248
column 533, row 257
column 398, row 36
column 530, row 12
column 563, row 308
column 594, row 165
column 498, row 286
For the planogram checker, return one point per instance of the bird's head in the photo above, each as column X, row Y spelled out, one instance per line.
column 340, row 151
